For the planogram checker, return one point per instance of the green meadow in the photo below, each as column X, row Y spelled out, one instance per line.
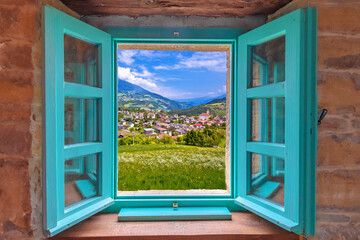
column 170, row 167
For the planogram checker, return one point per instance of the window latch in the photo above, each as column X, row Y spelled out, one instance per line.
column 175, row 206
column 322, row 115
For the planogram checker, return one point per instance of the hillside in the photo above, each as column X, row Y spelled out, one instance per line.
column 200, row 100
column 218, row 100
column 216, row 109
column 132, row 96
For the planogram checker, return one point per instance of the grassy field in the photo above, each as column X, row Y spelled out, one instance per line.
column 170, row 167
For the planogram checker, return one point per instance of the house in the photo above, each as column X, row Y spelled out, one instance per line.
column 151, row 115
column 160, row 130
column 197, row 125
column 130, row 125
column 204, row 116
column 149, row 131
column 162, row 136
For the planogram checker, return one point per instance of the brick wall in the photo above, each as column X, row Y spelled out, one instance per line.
column 20, row 117
column 338, row 160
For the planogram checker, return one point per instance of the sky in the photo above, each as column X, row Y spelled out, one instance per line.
column 175, row 74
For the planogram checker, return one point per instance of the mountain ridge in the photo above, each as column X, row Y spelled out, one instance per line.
column 133, row 96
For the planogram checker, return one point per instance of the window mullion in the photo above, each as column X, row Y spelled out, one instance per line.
column 81, row 149
column 82, row 91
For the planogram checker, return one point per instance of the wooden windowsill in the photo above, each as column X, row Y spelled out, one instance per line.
column 242, row 226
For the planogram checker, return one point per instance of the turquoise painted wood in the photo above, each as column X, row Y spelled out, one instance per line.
column 86, row 188
column 57, row 217
column 300, row 127
column 171, row 214
column 266, row 148
column 277, row 122
column 270, row 90
column 266, row 189
column 229, row 37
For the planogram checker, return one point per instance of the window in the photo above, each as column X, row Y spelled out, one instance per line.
column 177, row 141
column 273, row 120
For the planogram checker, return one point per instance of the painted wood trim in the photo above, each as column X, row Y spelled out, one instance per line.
column 171, row 214
column 268, row 214
column 231, row 41
column 300, row 143
column 168, row 202
column 82, row 91
column 81, row 149
column 73, row 219
column 57, row 217
column 268, row 149
column 267, row 91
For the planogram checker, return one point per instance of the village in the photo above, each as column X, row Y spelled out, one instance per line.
column 160, row 124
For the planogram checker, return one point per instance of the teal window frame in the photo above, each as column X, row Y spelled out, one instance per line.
column 57, row 216
column 190, row 36
column 299, row 151
column 301, row 23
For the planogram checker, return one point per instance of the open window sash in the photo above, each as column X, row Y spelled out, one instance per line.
column 275, row 124
column 77, row 121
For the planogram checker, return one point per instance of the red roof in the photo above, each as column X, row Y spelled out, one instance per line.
column 162, row 135
column 205, row 115
column 160, row 129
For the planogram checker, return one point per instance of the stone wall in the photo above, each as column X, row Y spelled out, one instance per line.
column 338, row 159
column 20, row 117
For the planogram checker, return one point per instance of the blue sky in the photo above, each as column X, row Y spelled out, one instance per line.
column 175, row 74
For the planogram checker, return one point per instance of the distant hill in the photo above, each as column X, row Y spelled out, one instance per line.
column 133, row 96
column 218, row 100
column 200, row 100
column 216, row 109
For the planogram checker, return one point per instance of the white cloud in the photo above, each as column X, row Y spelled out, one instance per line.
column 144, row 73
column 149, row 84
column 211, row 61
column 126, row 75
column 126, row 56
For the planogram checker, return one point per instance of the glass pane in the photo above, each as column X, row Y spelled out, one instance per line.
column 82, row 118
column 81, row 63
column 81, row 178
column 267, row 178
column 268, row 62
column 268, row 120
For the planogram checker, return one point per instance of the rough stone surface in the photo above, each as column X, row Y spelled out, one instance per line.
column 21, row 117
column 14, row 199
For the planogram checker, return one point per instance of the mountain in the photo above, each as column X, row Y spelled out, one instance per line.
column 216, row 109
column 217, row 100
column 200, row 100
column 133, row 96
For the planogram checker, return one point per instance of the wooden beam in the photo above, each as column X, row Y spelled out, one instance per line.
column 213, row 8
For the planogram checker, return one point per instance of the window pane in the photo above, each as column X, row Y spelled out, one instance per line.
column 82, row 118
column 81, row 62
column 267, row 178
column 81, row 178
column 268, row 120
column 268, row 62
